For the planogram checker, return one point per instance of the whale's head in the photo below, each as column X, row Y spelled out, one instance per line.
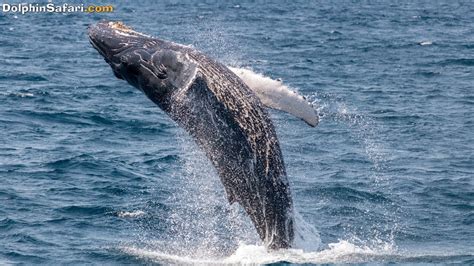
column 114, row 39
column 133, row 56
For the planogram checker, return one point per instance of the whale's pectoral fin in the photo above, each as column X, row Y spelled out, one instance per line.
column 274, row 94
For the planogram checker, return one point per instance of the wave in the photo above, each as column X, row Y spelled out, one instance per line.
column 457, row 61
column 23, row 77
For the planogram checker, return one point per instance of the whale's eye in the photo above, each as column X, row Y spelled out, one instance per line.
column 133, row 69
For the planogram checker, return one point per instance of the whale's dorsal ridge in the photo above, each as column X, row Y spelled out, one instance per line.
column 274, row 94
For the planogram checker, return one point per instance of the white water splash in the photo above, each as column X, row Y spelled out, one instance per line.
column 203, row 224
column 203, row 221
column 340, row 252
column 306, row 235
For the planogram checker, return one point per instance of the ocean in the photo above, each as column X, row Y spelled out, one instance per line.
column 92, row 172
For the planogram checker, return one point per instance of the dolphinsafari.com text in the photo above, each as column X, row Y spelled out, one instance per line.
column 54, row 8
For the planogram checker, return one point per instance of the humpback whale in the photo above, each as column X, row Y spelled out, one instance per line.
column 224, row 115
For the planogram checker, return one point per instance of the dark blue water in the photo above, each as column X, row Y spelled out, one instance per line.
column 92, row 172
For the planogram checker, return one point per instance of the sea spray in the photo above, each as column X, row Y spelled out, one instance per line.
column 366, row 132
column 306, row 235
column 203, row 222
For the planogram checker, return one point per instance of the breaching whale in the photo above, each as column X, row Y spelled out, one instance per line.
column 225, row 116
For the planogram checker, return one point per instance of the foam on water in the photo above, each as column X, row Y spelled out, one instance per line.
column 339, row 252
column 130, row 214
column 342, row 251
column 425, row 43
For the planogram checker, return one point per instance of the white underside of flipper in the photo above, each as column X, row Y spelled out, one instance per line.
column 274, row 94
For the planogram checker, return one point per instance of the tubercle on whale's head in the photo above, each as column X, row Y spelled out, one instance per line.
column 121, row 28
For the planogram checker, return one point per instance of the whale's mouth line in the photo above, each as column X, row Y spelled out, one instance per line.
column 97, row 47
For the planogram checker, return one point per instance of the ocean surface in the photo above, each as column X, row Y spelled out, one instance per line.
column 92, row 172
